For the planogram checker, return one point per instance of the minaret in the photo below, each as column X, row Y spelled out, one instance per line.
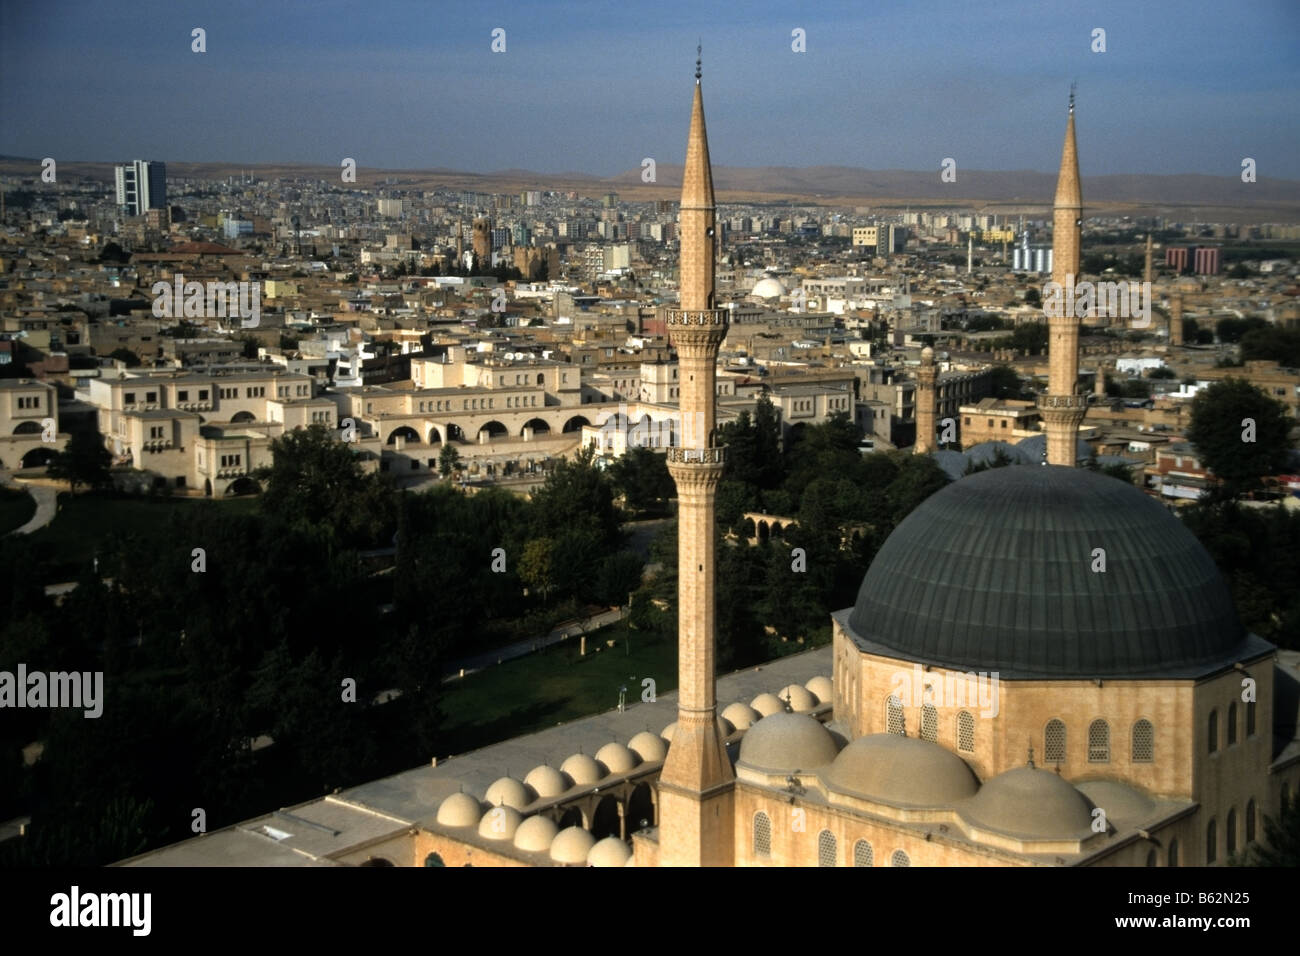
column 1062, row 409
column 1146, row 272
column 925, row 378
column 1176, row 319
column 695, row 788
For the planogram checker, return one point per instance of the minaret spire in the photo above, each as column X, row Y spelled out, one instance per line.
column 699, row 55
column 1062, row 409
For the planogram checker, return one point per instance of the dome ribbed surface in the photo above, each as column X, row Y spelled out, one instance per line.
column 994, row 572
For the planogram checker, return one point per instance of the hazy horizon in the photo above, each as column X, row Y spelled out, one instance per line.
column 593, row 89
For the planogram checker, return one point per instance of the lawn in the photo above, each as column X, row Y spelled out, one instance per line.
column 84, row 519
column 555, row 686
column 16, row 509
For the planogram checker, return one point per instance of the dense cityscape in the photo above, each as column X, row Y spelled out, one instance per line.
column 420, row 518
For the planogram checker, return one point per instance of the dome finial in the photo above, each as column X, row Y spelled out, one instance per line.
column 1031, row 756
column 699, row 49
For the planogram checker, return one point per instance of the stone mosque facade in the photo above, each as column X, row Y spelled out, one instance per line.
column 1043, row 667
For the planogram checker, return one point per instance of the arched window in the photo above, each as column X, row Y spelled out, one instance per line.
column 899, row 859
column 1144, row 741
column 1054, row 741
column 1211, row 842
column 1099, row 742
column 929, row 723
column 1173, row 852
column 1250, row 820
column 894, row 715
column 1151, row 858
column 762, row 834
column 1214, row 731
column 966, row 732
column 1250, row 718
column 862, row 854
column 826, row 848
column 1230, row 831
column 1232, row 723
column 433, row 859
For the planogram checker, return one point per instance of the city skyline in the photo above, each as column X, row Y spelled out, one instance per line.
column 867, row 93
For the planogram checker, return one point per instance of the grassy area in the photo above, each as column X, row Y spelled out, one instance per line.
column 554, row 686
column 16, row 509
column 85, row 519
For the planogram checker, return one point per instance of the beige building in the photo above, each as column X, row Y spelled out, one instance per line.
column 29, row 423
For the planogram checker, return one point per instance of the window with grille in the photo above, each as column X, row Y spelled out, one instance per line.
column 1230, row 833
column 762, row 834
column 1250, row 821
column 1211, row 843
column 1173, row 852
column 1232, row 723
column 1054, row 741
column 966, row 731
column 899, row 859
column 826, row 848
column 894, row 715
column 1214, row 731
column 929, row 723
column 1144, row 742
column 1250, row 718
column 862, row 854
column 1099, row 742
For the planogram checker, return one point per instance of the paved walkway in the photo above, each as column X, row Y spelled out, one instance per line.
column 468, row 665
column 47, row 503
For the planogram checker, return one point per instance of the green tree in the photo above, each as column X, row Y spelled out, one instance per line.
column 1005, row 382
column 1281, row 836
column 85, row 461
column 536, row 565
column 448, row 460
column 1240, row 433
column 1279, row 345
column 642, row 477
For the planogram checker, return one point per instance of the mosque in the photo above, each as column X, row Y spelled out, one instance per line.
column 1043, row 667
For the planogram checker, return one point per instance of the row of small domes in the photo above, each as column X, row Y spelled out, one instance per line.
column 535, row 834
column 801, row 699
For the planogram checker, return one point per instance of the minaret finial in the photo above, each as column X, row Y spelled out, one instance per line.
column 699, row 51
column 1072, row 85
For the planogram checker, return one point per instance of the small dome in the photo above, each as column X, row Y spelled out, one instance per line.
column 821, row 688
column 768, row 287
column 648, row 747
column 785, row 743
column 507, row 791
column 725, row 726
column 768, row 704
column 901, row 771
column 459, row 810
column 1030, row 803
column 741, row 716
column 572, row 845
column 798, row 697
column 582, row 770
column 1119, row 800
column 616, row 758
column 500, row 823
column 610, row 851
column 927, row 356
column 667, row 732
column 535, row 834
column 546, row 781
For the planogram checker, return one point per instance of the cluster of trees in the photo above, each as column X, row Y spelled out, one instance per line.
column 1031, row 337
column 845, row 505
column 225, row 626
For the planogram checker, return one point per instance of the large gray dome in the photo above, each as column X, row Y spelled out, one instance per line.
column 995, row 572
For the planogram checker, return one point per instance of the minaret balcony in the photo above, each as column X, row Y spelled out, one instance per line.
column 1073, row 402
column 716, row 318
column 696, row 456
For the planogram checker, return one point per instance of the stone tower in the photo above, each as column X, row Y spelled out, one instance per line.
column 1176, row 319
column 482, row 229
column 696, row 787
column 925, row 402
column 1146, row 271
column 1062, row 408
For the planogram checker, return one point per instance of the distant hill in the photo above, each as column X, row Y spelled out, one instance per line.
column 1183, row 196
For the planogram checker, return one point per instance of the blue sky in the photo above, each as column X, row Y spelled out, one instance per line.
column 593, row 87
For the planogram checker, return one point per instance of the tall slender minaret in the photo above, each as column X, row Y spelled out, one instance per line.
column 1146, row 271
column 695, row 789
column 925, row 379
column 1062, row 408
